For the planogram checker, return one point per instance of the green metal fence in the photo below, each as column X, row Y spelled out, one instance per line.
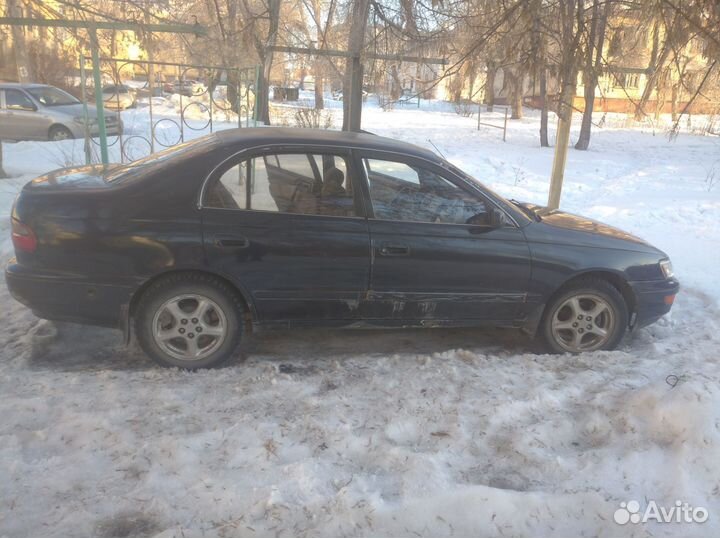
column 202, row 98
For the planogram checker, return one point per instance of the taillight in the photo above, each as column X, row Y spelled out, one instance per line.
column 23, row 237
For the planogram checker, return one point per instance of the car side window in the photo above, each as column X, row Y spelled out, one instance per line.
column 17, row 100
column 404, row 192
column 301, row 183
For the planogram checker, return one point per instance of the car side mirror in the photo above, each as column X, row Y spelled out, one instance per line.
column 493, row 217
column 496, row 218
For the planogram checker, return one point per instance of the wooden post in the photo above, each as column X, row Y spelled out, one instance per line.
column 558, row 168
column 479, row 108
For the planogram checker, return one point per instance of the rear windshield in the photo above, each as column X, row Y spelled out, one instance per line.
column 137, row 169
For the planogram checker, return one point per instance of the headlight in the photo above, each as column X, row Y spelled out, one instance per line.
column 666, row 268
column 80, row 120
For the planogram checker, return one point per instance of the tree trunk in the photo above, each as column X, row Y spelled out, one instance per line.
column 262, row 97
column 593, row 61
column 674, row 100
column 2, row 170
column 490, row 86
column 319, row 86
column 24, row 69
column 265, row 54
column 590, row 81
column 544, row 142
column 516, row 95
column 395, row 84
column 651, row 82
column 352, row 81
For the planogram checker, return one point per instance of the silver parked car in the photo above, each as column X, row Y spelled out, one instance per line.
column 42, row 112
column 119, row 97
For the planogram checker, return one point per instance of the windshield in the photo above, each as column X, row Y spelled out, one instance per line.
column 50, row 96
column 501, row 200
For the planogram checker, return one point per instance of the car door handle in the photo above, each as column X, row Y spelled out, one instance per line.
column 231, row 242
column 391, row 249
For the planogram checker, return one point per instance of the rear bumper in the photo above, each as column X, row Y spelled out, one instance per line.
column 653, row 299
column 67, row 298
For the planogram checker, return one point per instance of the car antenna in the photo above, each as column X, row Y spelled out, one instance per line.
column 437, row 149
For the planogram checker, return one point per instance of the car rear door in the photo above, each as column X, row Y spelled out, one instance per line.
column 299, row 248
column 428, row 263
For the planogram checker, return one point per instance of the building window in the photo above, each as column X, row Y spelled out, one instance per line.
column 625, row 80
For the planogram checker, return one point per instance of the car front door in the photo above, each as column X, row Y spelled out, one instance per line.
column 289, row 227
column 436, row 255
column 22, row 119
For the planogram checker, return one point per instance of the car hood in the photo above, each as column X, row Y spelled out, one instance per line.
column 558, row 226
column 76, row 110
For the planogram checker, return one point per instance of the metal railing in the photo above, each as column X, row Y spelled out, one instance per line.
column 198, row 103
column 494, row 126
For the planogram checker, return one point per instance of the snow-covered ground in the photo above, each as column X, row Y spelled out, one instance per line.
column 396, row 433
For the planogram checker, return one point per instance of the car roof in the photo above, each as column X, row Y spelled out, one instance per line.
column 257, row 136
column 21, row 85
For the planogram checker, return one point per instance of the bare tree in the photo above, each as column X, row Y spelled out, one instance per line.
column 571, row 28
column 322, row 29
column 594, row 44
column 24, row 69
column 352, row 83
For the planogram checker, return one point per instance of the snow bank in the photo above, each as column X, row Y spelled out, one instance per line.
column 388, row 433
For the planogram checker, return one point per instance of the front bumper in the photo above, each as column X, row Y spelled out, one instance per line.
column 111, row 130
column 653, row 299
column 67, row 298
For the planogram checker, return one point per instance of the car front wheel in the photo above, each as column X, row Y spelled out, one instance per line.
column 59, row 132
column 589, row 314
column 189, row 321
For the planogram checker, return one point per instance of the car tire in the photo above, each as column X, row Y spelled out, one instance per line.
column 59, row 132
column 588, row 314
column 189, row 321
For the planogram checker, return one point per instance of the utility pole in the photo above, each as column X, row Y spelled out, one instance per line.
column 559, row 160
column 24, row 72
column 565, row 110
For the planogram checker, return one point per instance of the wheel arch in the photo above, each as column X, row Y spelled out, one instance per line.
column 244, row 297
column 56, row 125
column 615, row 279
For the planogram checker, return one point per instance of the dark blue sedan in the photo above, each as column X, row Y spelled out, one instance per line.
column 275, row 228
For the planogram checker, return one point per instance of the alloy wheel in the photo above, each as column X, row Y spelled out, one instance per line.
column 189, row 327
column 583, row 322
column 60, row 134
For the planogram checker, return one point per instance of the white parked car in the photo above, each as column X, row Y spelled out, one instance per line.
column 119, row 97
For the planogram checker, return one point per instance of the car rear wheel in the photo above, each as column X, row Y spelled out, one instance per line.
column 58, row 132
column 189, row 321
column 587, row 315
